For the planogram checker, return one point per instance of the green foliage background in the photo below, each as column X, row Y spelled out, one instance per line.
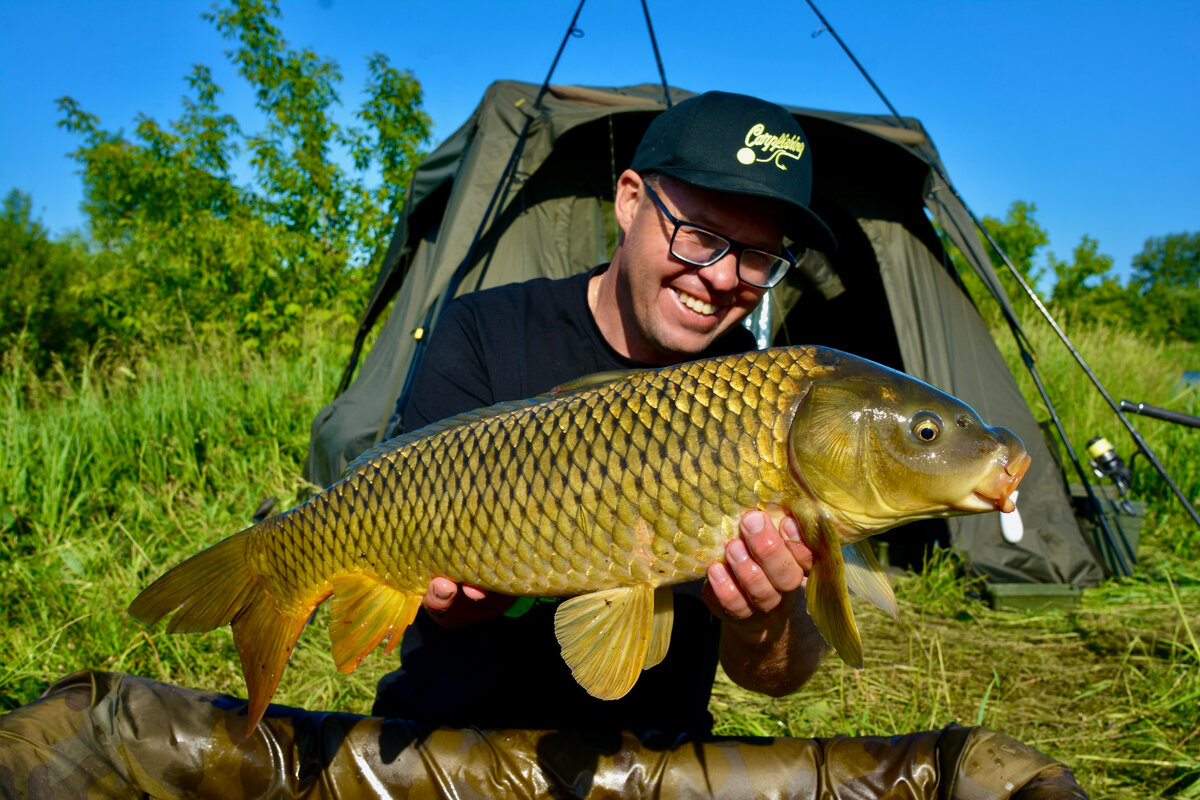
column 176, row 244
column 1161, row 298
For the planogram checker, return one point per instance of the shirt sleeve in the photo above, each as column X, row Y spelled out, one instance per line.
column 453, row 376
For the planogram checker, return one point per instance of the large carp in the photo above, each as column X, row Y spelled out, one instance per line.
column 608, row 490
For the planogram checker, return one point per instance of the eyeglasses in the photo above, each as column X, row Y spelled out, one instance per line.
column 703, row 247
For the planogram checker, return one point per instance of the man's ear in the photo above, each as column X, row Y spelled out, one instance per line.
column 629, row 194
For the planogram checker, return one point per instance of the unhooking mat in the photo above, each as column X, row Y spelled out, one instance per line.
column 107, row 735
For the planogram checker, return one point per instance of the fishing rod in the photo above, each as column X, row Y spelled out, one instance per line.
column 1133, row 432
column 662, row 75
column 1165, row 414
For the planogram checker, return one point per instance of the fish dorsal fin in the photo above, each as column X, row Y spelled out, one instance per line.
column 592, row 381
column 605, row 636
column 827, row 599
column 867, row 578
column 365, row 611
column 434, row 428
column 660, row 631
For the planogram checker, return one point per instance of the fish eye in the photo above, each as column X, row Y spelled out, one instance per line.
column 926, row 426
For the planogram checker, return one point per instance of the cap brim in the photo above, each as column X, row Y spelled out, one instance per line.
column 803, row 226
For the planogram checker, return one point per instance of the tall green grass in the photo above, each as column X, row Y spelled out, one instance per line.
column 110, row 476
column 105, row 479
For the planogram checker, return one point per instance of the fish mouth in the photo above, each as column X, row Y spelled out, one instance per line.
column 996, row 489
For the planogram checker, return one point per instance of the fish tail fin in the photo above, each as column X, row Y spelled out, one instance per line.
column 827, row 599
column 205, row 592
column 217, row 587
column 265, row 637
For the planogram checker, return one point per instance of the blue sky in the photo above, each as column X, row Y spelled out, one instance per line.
column 1091, row 110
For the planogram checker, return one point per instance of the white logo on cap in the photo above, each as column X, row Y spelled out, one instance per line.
column 775, row 147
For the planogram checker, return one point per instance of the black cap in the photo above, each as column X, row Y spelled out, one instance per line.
column 739, row 144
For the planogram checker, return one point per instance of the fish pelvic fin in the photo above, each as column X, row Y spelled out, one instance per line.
column 660, row 630
column 867, row 578
column 219, row 587
column 605, row 637
column 363, row 613
column 828, row 599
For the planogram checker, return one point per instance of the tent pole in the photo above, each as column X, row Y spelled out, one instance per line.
column 393, row 424
column 662, row 75
column 1137, row 437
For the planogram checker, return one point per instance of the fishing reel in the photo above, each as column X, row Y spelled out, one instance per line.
column 1107, row 464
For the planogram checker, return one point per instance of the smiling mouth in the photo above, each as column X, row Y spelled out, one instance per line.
column 695, row 303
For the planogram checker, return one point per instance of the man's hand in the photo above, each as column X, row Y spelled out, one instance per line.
column 760, row 568
column 454, row 605
column 768, row 642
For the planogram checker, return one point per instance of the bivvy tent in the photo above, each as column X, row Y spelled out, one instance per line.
column 524, row 189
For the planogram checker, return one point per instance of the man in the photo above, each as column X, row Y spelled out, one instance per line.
column 716, row 184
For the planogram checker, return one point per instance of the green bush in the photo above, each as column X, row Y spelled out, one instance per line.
column 176, row 243
column 56, row 298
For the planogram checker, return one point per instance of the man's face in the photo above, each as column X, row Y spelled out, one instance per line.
column 673, row 310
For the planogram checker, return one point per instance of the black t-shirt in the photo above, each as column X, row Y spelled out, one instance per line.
column 508, row 343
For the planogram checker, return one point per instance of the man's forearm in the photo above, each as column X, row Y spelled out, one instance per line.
column 774, row 655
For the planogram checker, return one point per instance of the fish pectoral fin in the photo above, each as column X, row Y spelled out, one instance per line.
column 605, row 636
column 365, row 611
column 660, row 630
column 828, row 600
column 867, row 578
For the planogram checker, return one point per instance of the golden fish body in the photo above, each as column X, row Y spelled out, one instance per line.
column 607, row 489
column 639, row 481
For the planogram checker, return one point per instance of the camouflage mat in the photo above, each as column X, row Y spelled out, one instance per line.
column 96, row 734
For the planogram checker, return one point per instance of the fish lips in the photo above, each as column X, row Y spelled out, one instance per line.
column 994, row 491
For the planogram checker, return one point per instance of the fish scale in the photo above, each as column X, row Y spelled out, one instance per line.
column 607, row 490
column 580, row 467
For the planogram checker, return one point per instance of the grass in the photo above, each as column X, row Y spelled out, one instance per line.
column 104, row 479
column 110, row 476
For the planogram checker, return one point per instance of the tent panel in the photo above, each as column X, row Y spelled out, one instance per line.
column 547, row 226
column 905, row 307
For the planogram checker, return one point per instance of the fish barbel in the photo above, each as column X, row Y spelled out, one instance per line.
column 607, row 490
